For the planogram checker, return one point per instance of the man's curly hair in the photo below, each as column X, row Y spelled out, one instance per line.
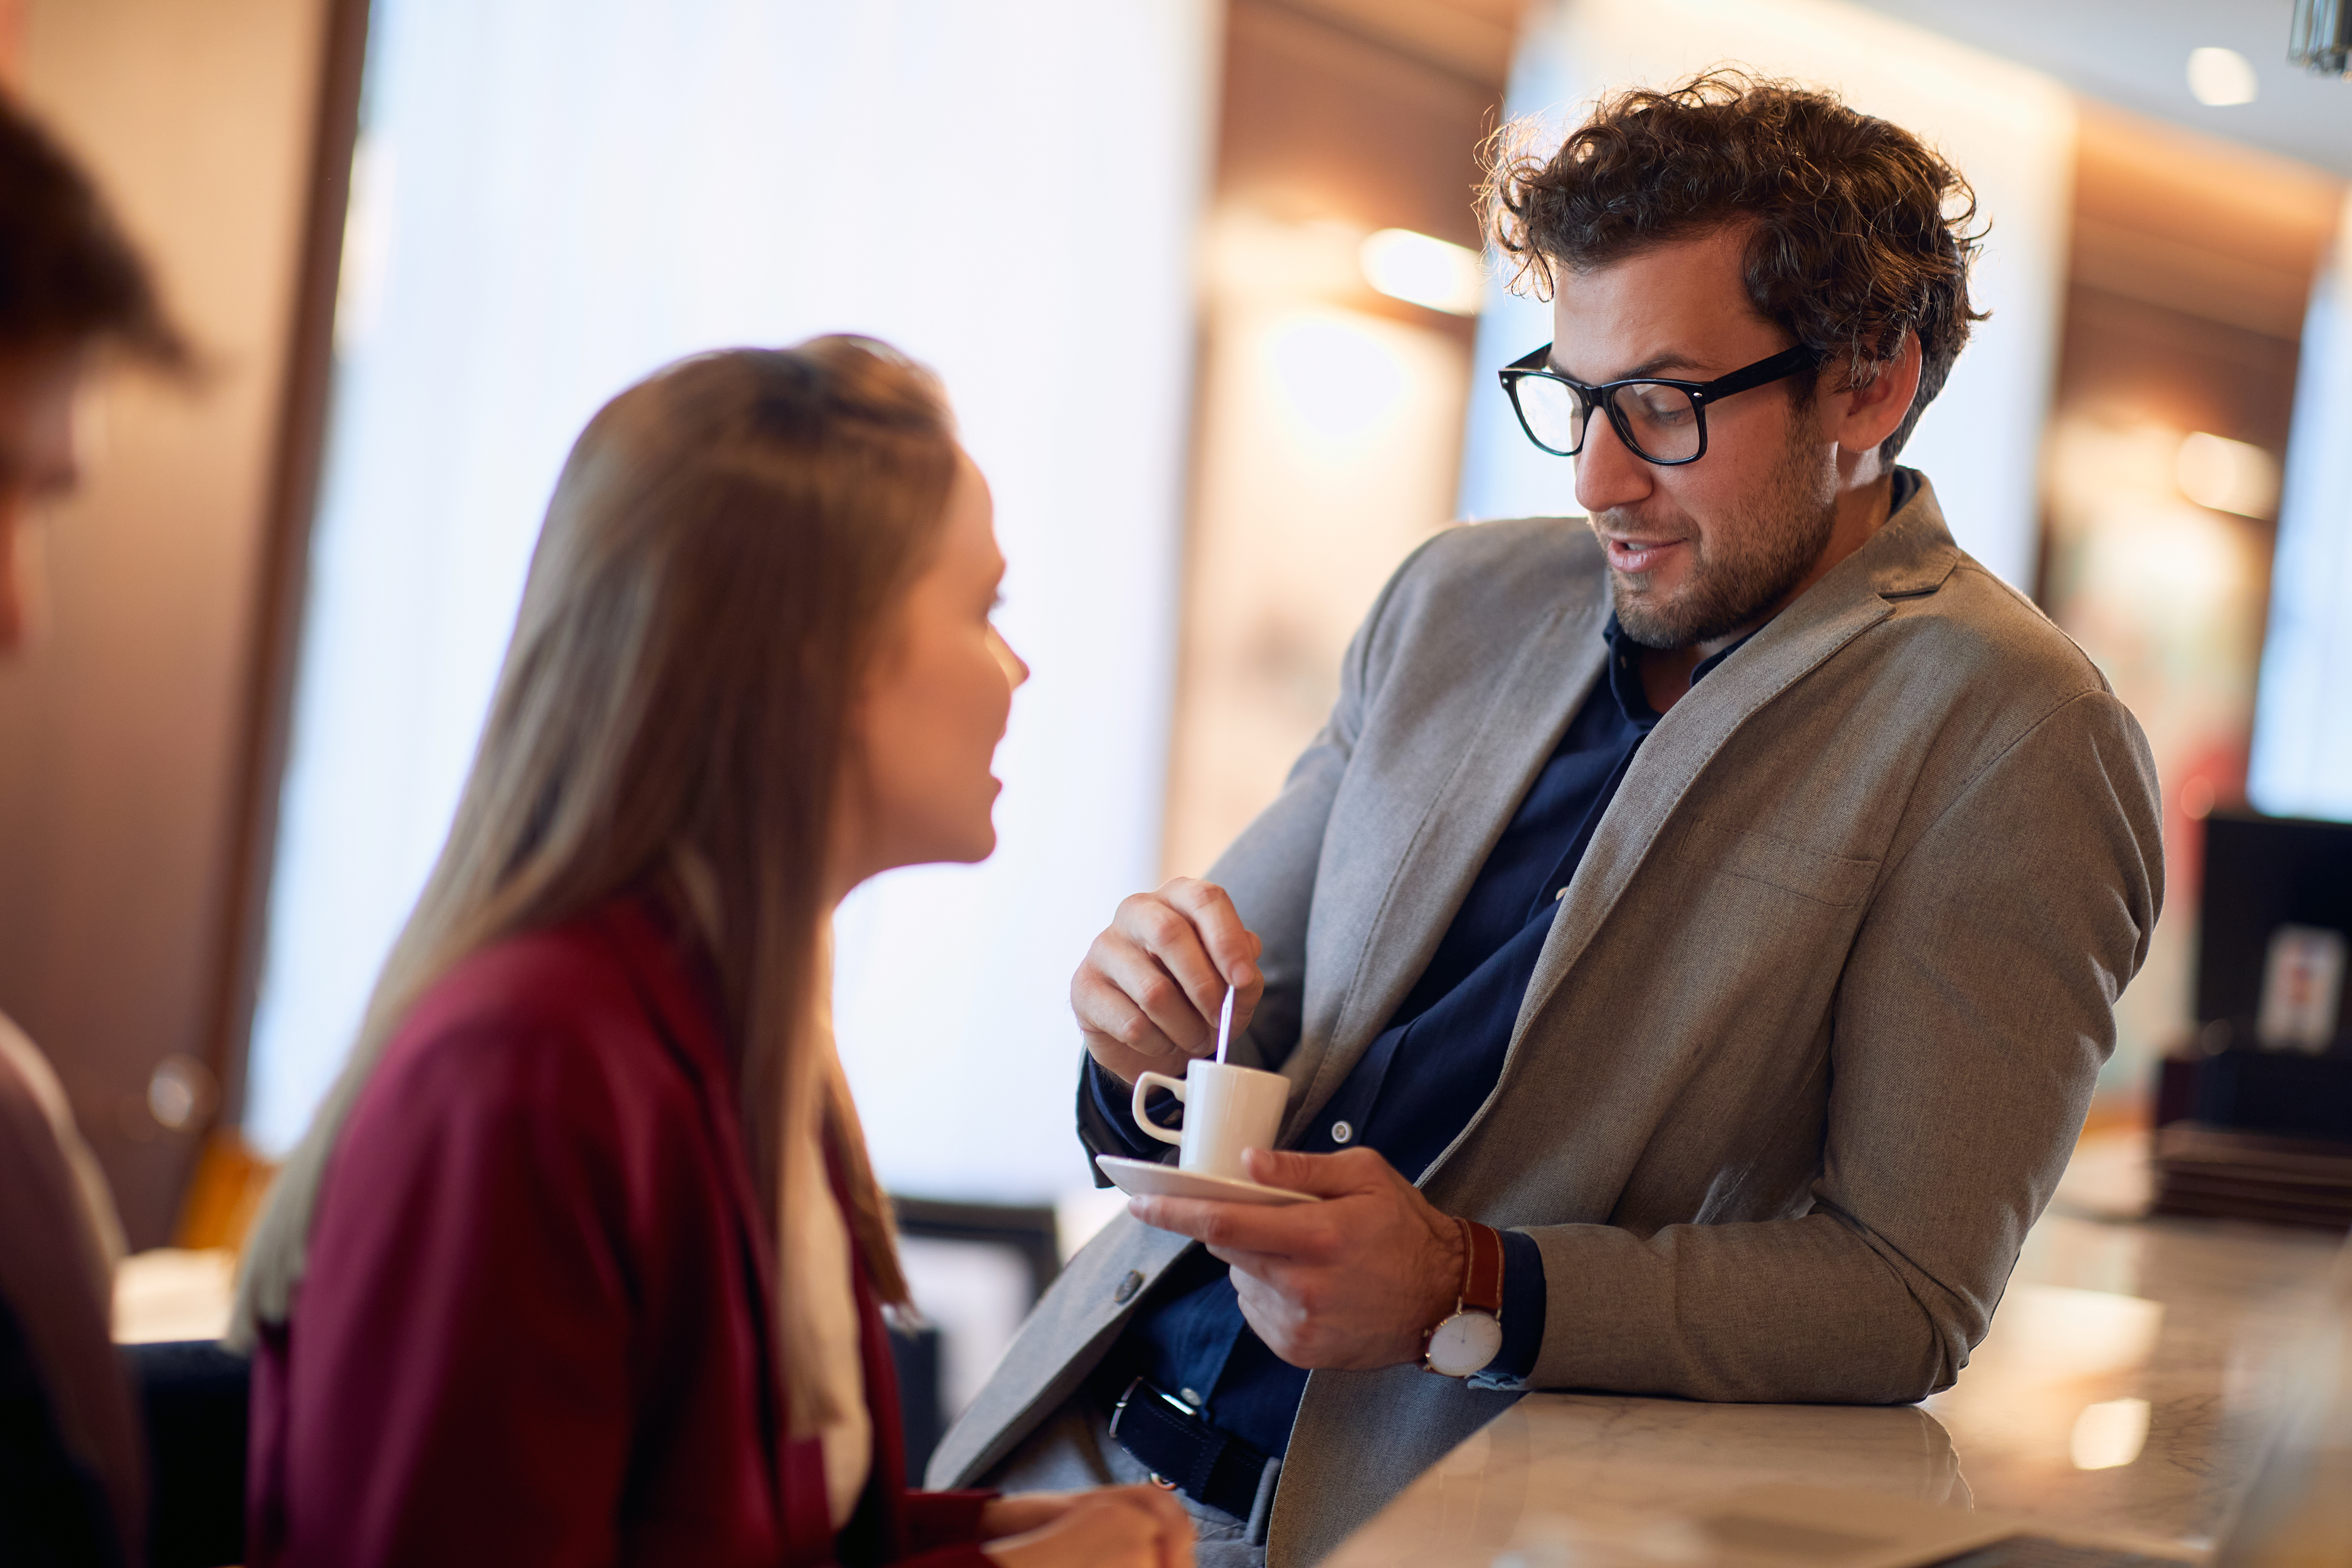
column 1859, row 233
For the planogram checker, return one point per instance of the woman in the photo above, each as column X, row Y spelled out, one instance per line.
column 581, row 1261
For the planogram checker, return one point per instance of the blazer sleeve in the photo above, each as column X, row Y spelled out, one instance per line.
column 1970, row 1020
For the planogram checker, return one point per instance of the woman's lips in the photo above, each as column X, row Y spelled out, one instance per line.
column 1639, row 554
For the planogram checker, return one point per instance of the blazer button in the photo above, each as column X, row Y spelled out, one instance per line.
column 1341, row 1133
column 1128, row 1286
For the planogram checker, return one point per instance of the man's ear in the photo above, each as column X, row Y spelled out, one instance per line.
column 1875, row 411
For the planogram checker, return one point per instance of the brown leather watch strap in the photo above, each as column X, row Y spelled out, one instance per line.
column 1482, row 1266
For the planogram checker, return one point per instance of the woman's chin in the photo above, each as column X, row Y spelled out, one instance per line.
column 970, row 848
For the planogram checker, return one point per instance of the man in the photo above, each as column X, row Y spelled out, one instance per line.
column 71, row 1455
column 1726, row 902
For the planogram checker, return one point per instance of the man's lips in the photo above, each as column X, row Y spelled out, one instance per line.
column 1639, row 554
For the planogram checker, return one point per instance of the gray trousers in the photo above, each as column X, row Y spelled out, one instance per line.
column 1073, row 1448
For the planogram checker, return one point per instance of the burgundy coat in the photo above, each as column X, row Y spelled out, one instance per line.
column 537, row 1325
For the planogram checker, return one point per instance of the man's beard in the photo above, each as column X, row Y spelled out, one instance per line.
column 1744, row 566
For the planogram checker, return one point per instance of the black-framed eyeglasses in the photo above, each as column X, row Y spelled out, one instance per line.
column 1664, row 422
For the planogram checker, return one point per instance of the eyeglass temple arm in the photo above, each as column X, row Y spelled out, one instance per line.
column 1787, row 362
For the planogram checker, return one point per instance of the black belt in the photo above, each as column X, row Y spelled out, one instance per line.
column 1182, row 1450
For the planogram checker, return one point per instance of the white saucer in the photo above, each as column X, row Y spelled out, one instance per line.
column 1145, row 1179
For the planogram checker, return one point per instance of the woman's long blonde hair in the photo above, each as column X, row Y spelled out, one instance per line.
column 722, row 553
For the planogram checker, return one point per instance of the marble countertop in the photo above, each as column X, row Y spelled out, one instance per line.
column 2132, row 1375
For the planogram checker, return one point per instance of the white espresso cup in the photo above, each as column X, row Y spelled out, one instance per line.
column 1227, row 1108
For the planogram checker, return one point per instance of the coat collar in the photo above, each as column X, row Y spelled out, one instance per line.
column 673, row 982
column 671, row 977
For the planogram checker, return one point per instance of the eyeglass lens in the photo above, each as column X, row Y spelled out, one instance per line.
column 1660, row 421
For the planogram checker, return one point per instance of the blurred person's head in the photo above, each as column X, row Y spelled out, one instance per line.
column 753, row 665
column 1693, row 232
column 71, row 288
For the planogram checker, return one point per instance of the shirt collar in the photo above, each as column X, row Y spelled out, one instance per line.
column 1625, row 672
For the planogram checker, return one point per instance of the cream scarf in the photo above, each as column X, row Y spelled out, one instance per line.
column 813, row 1251
column 813, row 1257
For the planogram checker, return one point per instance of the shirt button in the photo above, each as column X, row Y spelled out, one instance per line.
column 1128, row 1286
column 1561, row 894
column 1341, row 1133
column 1190, row 1397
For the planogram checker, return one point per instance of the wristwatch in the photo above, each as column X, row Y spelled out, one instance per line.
column 1472, row 1336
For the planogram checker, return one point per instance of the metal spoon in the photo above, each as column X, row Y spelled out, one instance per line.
column 1225, row 1027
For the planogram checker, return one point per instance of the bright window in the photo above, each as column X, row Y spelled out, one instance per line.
column 551, row 200
column 2302, row 763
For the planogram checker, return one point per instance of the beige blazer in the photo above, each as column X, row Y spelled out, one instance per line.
column 1808, row 1041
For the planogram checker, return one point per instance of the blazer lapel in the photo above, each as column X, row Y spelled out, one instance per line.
column 1416, row 883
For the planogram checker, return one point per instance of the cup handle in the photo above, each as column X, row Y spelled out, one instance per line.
column 1144, row 1084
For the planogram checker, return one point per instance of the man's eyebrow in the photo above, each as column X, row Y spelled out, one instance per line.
column 1656, row 364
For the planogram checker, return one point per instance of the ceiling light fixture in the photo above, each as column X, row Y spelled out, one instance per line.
column 2319, row 39
column 2221, row 78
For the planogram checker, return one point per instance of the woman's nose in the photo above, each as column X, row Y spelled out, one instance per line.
column 1016, row 668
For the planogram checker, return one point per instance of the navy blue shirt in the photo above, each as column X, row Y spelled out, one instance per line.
column 1419, row 1083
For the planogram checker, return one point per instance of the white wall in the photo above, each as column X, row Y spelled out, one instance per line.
column 2302, row 763
column 556, row 198
column 2008, row 130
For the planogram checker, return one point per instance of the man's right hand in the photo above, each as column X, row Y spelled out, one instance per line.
column 1148, row 996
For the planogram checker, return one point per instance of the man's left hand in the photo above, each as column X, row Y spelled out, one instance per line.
column 1352, row 1282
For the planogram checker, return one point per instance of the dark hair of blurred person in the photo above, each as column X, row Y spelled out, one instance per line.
column 73, row 291
column 582, row 1259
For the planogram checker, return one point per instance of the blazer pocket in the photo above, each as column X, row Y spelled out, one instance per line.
column 1833, row 879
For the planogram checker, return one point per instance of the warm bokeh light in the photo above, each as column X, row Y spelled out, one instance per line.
column 1340, row 380
column 1423, row 269
column 2227, row 476
column 2109, row 1434
column 2219, row 77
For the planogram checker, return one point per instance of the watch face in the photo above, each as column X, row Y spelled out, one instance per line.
column 1465, row 1343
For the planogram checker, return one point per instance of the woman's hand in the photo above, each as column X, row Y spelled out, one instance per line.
column 1029, row 1511
column 1116, row 1526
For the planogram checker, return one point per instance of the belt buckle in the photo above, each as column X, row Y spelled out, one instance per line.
column 1119, row 1411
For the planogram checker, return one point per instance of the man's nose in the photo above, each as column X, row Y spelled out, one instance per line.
column 1607, row 474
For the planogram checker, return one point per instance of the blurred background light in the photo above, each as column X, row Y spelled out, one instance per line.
column 1341, row 378
column 2228, row 475
column 2109, row 1434
column 2219, row 78
column 1423, row 269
